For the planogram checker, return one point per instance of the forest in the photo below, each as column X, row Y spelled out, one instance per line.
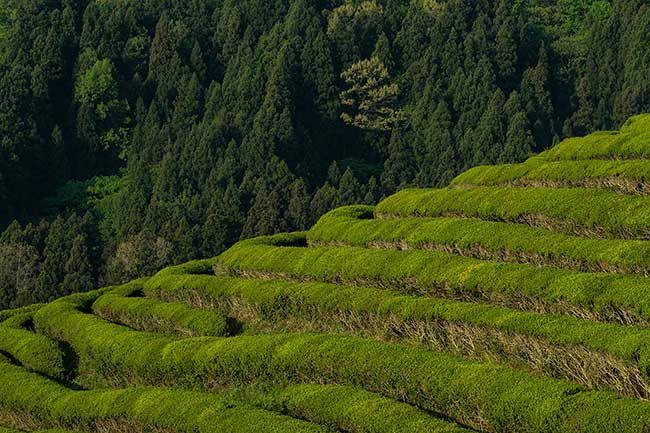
column 136, row 135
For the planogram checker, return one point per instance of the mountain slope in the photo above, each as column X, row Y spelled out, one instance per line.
column 514, row 300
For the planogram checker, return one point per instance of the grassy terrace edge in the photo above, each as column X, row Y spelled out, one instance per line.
column 596, row 296
column 600, row 213
column 631, row 142
column 165, row 317
column 561, row 346
column 626, row 177
column 519, row 243
column 322, row 408
column 480, row 395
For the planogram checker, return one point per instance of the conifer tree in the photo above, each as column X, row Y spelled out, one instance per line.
column 370, row 99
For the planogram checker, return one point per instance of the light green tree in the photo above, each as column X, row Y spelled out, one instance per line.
column 370, row 97
column 98, row 93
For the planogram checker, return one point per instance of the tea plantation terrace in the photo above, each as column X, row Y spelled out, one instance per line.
column 515, row 300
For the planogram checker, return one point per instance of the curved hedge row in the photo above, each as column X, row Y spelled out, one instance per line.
column 354, row 225
column 624, row 176
column 7, row 314
column 179, row 410
column 33, row 351
column 332, row 406
column 578, row 209
column 356, row 411
column 481, row 395
column 630, row 143
column 151, row 315
column 277, row 300
column 612, row 297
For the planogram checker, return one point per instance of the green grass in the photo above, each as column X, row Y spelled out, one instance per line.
column 536, row 170
column 277, row 300
column 619, row 215
column 448, row 275
column 352, row 410
column 631, row 142
column 603, row 155
column 334, row 407
column 7, row 314
column 468, row 392
column 183, row 411
column 34, row 351
column 355, row 226
column 470, row 308
column 165, row 317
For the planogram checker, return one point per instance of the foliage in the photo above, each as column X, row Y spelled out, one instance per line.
column 356, row 225
column 442, row 274
column 170, row 318
column 370, row 97
column 607, row 214
column 34, row 351
column 278, row 300
column 223, row 119
column 375, row 366
column 55, row 404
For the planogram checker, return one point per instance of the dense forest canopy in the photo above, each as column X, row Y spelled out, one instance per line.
column 136, row 134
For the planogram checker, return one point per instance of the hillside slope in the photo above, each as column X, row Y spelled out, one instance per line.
column 515, row 300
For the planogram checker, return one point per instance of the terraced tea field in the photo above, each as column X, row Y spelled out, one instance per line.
column 516, row 300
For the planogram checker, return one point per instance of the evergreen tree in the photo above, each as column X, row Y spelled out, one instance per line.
column 78, row 268
column 370, row 98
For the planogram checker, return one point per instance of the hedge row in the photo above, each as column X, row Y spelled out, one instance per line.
column 354, row 225
column 34, row 351
column 279, row 299
column 152, row 315
column 7, row 314
column 603, row 213
column 630, row 143
column 481, row 395
column 356, row 411
column 179, row 410
column 624, row 176
column 612, row 297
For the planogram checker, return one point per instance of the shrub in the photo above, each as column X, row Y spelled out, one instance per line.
column 194, row 411
column 599, row 296
column 277, row 300
column 600, row 213
column 488, row 239
column 7, row 430
column 152, row 315
column 34, row 351
column 179, row 410
column 352, row 410
column 482, row 395
column 624, row 176
column 7, row 314
column 631, row 142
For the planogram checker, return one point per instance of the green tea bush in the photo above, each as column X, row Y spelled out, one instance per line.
column 352, row 226
column 447, row 275
column 7, row 314
column 352, row 410
column 478, row 394
column 611, row 174
column 152, row 315
column 631, row 142
column 34, row 351
column 179, row 410
column 278, row 299
column 588, row 209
